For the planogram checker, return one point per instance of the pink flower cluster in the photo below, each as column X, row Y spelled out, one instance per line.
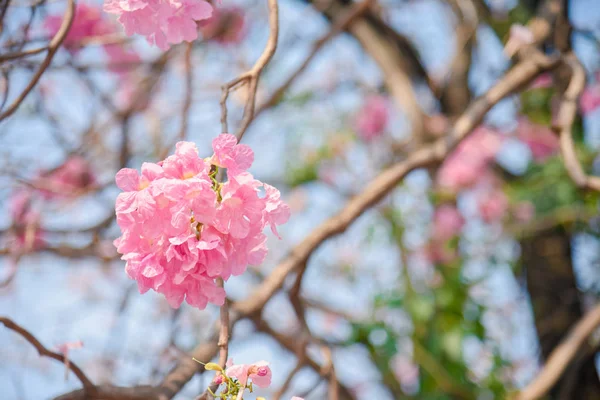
column 182, row 228
column 161, row 22
column 372, row 118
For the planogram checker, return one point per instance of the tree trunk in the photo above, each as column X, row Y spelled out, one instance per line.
column 557, row 307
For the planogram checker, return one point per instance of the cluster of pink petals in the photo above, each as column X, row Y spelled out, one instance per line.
column 179, row 235
column 470, row 160
column 259, row 373
column 372, row 118
column 227, row 25
column 540, row 139
column 73, row 177
column 161, row 22
column 447, row 222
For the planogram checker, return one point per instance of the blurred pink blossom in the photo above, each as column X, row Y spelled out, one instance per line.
column 492, row 205
column 406, row 371
column 88, row 22
column 226, row 25
column 524, row 211
column 26, row 222
column 590, row 98
column 372, row 118
column 540, row 139
column 447, row 222
column 74, row 176
column 470, row 160
column 545, row 80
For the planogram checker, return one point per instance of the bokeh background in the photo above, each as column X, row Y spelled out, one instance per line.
column 458, row 284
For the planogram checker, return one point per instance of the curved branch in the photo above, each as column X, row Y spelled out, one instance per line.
column 53, row 47
column 43, row 351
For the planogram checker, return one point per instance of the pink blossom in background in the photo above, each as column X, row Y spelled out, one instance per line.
column 372, row 118
column 492, row 205
column 297, row 398
column 540, row 139
column 590, row 98
column 524, row 211
column 406, row 371
column 88, row 22
column 447, row 222
column 26, row 222
column 543, row 81
column 181, row 230
column 162, row 23
column 71, row 178
column 119, row 56
column 259, row 373
column 226, row 26
column 470, row 160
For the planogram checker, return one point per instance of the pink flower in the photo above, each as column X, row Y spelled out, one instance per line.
column 276, row 212
column 297, row 398
column 181, row 229
column 161, row 22
column 492, row 205
column 470, row 160
column 447, row 222
column 540, row 139
column 259, row 373
column 225, row 26
column 88, row 22
column 372, row 118
column 228, row 154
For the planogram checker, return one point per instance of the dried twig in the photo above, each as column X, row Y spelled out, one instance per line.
column 251, row 77
column 43, row 351
column 53, row 47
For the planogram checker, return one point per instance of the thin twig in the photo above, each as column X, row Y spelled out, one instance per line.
column 187, row 102
column 53, row 47
column 43, row 351
column 251, row 77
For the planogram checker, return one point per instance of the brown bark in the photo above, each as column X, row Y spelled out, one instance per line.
column 551, row 283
